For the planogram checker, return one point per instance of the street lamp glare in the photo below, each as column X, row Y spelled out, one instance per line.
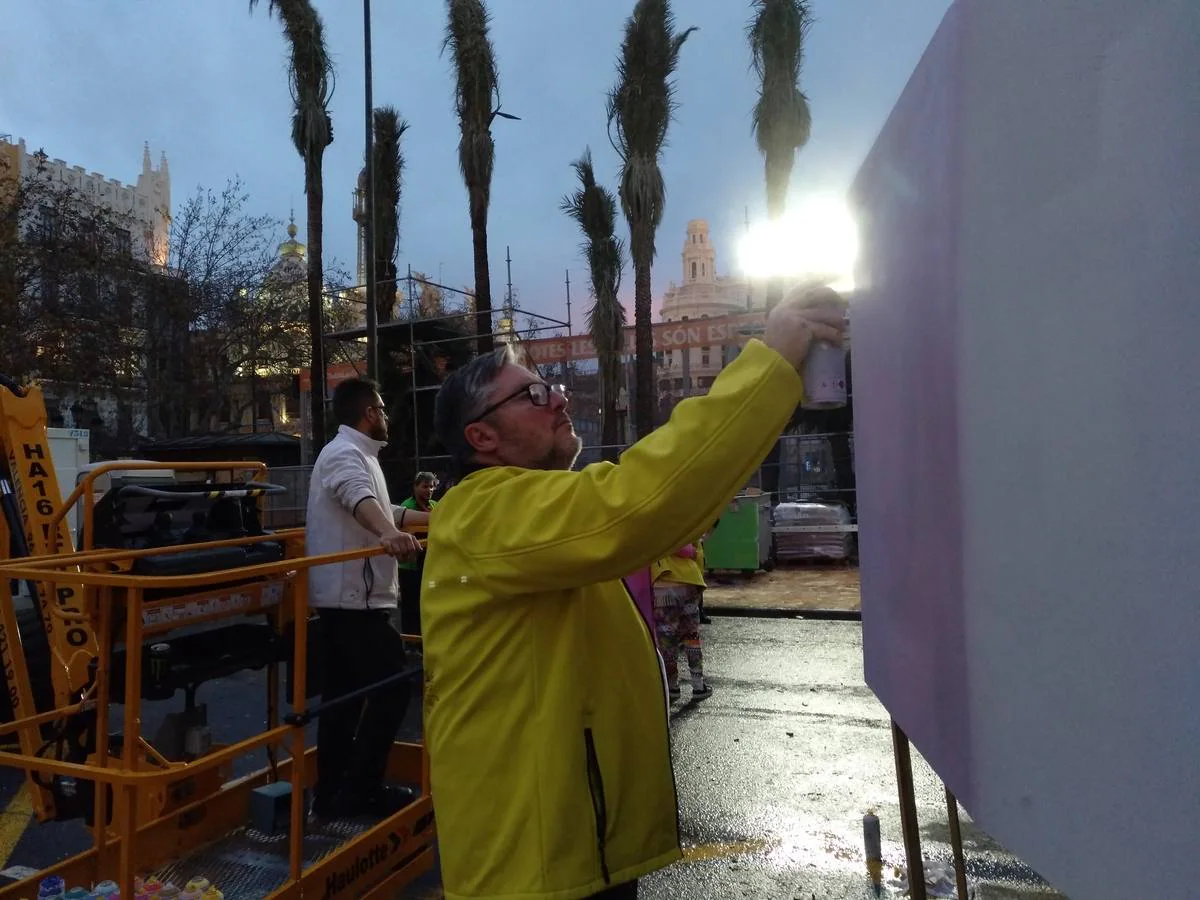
column 817, row 239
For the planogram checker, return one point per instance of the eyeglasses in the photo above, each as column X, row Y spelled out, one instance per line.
column 538, row 393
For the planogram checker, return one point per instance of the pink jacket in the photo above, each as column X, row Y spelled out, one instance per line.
column 642, row 590
column 641, row 587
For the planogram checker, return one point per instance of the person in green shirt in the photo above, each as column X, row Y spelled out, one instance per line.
column 410, row 573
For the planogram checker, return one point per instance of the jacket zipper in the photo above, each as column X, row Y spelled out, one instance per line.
column 666, row 711
column 599, row 809
column 368, row 582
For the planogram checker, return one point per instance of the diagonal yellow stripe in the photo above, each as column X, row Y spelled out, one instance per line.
column 724, row 849
column 13, row 822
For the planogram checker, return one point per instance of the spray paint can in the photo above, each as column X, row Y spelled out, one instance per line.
column 873, row 847
column 824, row 377
column 160, row 663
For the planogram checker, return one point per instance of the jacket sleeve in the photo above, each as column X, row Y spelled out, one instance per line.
column 347, row 478
column 598, row 524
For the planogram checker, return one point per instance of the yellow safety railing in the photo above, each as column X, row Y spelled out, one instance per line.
column 128, row 591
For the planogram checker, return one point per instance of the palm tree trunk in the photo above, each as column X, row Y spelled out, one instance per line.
column 483, row 278
column 385, row 294
column 314, row 190
column 777, row 185
column 647, row 398
column 610, row 380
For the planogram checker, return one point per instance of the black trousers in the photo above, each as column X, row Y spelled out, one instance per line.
column 410, row 599
column 361, row 647
column 626, row 891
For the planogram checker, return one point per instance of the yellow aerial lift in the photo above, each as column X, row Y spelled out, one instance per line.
column 173, row 585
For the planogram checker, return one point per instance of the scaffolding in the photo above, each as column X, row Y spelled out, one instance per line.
column 434, row 323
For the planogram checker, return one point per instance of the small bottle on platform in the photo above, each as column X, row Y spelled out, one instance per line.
column 873, row 847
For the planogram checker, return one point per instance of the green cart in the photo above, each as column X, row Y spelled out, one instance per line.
column 742, row 540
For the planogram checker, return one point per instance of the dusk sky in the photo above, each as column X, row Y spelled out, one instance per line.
column 91, row 80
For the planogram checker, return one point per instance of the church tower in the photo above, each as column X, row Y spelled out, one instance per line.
column 153, row 206
column 699, row 256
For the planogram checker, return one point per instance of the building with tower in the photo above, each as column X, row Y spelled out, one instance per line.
column 291, row 268
column 145, row 204
column 92, row 249
column 703, row 294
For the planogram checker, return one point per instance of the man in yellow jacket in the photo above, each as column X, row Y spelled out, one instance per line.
column 546, row 717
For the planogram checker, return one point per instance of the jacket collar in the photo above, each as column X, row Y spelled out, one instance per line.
column 365, row 442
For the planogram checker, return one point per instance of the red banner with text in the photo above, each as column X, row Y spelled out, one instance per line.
column 667, row 336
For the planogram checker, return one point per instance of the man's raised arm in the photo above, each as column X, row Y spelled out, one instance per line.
column 605, row 521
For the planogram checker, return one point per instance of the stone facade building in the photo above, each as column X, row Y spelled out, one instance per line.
column 702, row 294
column 145, row 204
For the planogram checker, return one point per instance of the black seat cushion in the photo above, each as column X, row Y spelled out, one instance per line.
column 191, row 562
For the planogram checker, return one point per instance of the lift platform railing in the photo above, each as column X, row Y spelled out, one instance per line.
column 134, row 771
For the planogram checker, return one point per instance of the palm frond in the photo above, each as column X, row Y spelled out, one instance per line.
column 781, row 119
column 594, row 209
column 389, row 172
column 639, row 107
column 476, row 88
column 310, row 74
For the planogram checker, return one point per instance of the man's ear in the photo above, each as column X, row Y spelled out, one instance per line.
column 482, row 437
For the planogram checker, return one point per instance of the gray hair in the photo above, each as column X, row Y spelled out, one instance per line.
column 462, row 396
column 425, row 478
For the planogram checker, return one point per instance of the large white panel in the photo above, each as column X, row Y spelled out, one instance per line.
column 1068, row 716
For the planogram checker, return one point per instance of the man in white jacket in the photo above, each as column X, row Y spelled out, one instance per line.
column 348, row 509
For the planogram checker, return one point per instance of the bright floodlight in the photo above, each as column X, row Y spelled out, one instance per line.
column 818, row 239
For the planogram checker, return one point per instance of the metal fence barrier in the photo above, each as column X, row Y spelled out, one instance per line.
column 813, row 468
column 286, row 510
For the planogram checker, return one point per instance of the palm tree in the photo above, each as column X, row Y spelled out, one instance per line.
column 310, row 74
column 594, row 209
column 477, row 102
column 389, row 169
column 782, row 124
column 781, row 119
column 639, row 111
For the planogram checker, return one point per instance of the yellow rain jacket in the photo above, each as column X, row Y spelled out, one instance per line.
column 545, row 712
column 678, row 570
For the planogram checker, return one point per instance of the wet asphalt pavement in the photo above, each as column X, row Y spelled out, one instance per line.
column 775, row 772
